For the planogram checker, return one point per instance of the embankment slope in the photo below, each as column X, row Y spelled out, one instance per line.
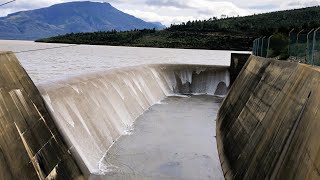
column 268, row 125
column 30, row 146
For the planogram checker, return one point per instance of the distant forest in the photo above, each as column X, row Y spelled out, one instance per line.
column 233, row 33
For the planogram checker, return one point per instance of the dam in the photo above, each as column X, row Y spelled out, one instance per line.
column 127, row 123
column 95, row 110
column 163, row 121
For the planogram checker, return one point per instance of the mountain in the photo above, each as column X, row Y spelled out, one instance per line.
column 159, row 25
column 69, row 17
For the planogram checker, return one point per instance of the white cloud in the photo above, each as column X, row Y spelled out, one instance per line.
column 299, row 3
column 218, row 8
column 21, row 5
column 154, row 17
column 176, row 11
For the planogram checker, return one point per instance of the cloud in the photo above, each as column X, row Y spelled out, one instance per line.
column 299, row 4
column 263, row 7
column 27, row 4
column 176, row 11
column 303, row 3
column 154, row 17
column 169, row 3
column 22, row 5
column 218, row 8
column 202, row 6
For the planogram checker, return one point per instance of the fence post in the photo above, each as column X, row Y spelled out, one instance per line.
column 298, row 36
column 254, row 47
column 290, row 41
column 297, row 42
column 314, row 45
column 268, row 49
column 257, row 47
column 308, row 48
column 257, row 53
column 258, row 44
column 261, row 54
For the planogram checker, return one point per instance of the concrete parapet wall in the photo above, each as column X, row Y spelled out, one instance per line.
column 30, row 147
column 268, row 125
column 93, row 111
column 238, row 60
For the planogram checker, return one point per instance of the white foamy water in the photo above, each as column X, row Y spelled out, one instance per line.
column 93, row 111
column 59, row 61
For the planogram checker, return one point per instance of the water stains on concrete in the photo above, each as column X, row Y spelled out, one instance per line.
column 30, row 146
column 268, row 125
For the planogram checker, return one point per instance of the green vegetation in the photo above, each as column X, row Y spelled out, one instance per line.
column 234, row 33
column 153, row 38
column 279, row 46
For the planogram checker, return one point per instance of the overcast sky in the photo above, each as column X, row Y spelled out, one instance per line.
column 176, row 11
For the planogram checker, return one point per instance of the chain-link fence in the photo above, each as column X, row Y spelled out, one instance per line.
column 316, row 48
column 309, row 47
column 298, row 45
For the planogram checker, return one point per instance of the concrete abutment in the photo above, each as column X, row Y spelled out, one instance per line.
column 268, row 125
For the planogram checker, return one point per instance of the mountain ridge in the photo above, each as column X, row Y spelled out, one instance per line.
column 70, row 17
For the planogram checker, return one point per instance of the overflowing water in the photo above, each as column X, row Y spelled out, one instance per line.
column 93, row 111
column 47, row 62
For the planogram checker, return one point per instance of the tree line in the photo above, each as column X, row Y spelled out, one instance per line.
column 232, row 33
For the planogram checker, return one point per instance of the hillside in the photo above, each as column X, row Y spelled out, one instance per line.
column 257, row 25
column 67, row 18
column 161, row 39
column 235, row 33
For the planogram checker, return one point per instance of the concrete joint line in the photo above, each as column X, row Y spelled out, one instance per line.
column 285, row 148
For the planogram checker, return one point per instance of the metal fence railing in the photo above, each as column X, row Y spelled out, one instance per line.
column 301, row 46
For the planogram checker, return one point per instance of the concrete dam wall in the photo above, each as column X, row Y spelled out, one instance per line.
column 268, row 125
column 30, row 145
column 93, row 111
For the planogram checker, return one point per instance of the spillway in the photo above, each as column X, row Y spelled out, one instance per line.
column 93, row 111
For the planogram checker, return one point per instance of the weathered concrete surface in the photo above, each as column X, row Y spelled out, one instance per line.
column 93, row 111
column 30, row 147
column 268, row 125
column 238, row 60
column 174, row 139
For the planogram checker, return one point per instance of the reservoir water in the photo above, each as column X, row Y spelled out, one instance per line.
column 48, row 62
